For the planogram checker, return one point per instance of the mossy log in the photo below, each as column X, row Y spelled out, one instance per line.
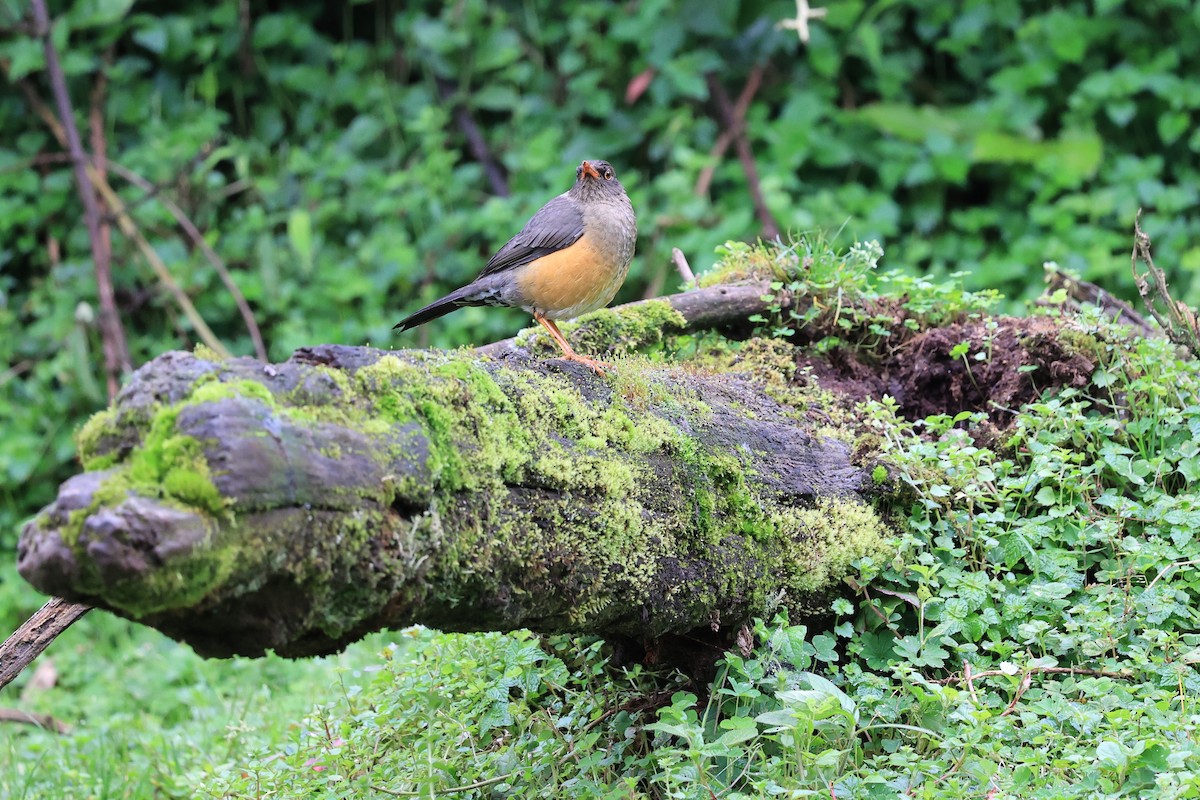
column 242, row 507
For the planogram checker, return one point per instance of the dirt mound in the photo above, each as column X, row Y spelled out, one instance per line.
column 933, row 373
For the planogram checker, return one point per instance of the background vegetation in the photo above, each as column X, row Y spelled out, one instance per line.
column 325, row 153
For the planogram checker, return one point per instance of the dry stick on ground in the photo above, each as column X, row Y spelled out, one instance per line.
column 725, row 111
column 116, row 350
column 193, row 233
column 35, row 635
column 44, row 721
column 1179, row 322
column 726, row 138
column 129, row 228
column 475, row 140
column 1082, row 292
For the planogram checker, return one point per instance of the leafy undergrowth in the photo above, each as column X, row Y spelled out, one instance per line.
column 1034, row 637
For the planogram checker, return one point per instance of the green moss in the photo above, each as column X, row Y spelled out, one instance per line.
column 537, row 478
column 206, row 353
column 209, row 389
column 89, row 439
column 822, row 541
column 740, row 262
column 611, row 331
column 167, row 465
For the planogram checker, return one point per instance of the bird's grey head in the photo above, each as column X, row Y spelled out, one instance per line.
column 596, row 179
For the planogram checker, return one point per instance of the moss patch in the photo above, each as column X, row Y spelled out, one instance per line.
column 611, row 332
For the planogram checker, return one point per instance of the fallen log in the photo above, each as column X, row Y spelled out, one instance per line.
column 243, row 507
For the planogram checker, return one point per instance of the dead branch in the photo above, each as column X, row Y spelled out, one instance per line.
column 1179, row 322
column 725, row 112
column 753, row 81
column 44, row 721
column 1083, row 292
column 35, row 635
column 681, row 264
column 479, row 149
column 116, row 350
column 725, row 307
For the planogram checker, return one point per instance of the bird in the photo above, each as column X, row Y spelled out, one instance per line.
column 569, row 259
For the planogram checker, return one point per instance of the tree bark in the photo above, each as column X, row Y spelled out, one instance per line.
column 243, row 507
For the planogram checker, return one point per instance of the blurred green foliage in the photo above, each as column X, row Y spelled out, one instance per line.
column 317, row 147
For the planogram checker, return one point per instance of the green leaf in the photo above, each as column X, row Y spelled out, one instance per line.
column 299, row 231
column 1172, row 125
column 25, row 55
column 96, row 13
column 1112, row 755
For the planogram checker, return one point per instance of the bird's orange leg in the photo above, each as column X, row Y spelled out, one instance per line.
column 568, row 353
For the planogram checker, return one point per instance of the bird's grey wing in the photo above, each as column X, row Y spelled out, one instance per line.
column 556, row 225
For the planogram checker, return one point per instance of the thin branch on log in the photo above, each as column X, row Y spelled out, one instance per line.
column 725, row 112
column 725, row 307
column 753, row 81
column 197, row 239
column 28, row 641
column 479, row 149
column 1083, row 292
column 116, row 350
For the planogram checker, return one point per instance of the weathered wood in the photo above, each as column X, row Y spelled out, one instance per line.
column 295, row 507
column 28, row 641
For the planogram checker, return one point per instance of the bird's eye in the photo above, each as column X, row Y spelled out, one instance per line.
column 608, row 174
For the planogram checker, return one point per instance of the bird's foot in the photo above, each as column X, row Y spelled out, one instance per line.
column 598, row 367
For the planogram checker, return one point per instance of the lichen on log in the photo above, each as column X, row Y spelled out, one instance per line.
column 242, row 507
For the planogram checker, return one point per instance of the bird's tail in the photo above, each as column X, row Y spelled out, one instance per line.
column 456, row 299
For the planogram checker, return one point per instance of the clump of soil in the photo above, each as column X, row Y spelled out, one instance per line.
column 924, row 378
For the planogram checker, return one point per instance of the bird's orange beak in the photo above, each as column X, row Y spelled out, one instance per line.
column 589, row 170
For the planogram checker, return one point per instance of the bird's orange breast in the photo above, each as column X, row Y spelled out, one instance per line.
column 571, row 281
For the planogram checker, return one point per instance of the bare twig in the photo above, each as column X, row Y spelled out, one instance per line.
column 969, row 679
column 725, row 111
column 35, row 635
column 99, row 148
column 753, row 81
column 475, row 140
column 116, row 350
column 681, row 264
column 193, row 233
column 1022, row 687
column 246, row 33
column 1179, row 321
